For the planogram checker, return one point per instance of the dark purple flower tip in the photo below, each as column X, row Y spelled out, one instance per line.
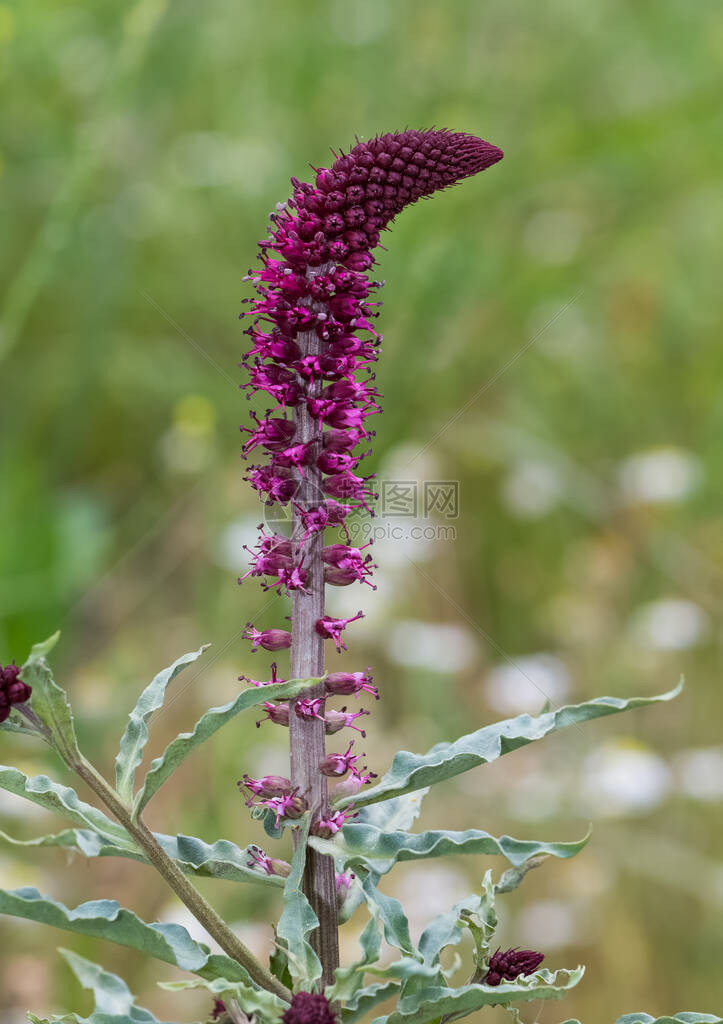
column 510, row 964
column 309, row 1008
column 219, row 1007
column 12, row 689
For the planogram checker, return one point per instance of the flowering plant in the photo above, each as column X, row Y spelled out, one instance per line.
column 313, row 345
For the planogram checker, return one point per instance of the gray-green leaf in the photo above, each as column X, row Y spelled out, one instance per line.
column 363, row 845
column 135, row 736
column 683, row 1017
column 222, row 859
column 50, row 702
column 431, row 1003
column 63, row 800
column 252, row 1000
column 106, row 919
column 298, row 920
column 178, row 750
column 410, row 772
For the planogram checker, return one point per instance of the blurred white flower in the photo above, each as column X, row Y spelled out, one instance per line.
column 431, row 645
column 546, row 925
column 554, row 235
column 662, row 475
column 700, row 773
column 673, row 624
column 531, row 488
column 622, row 777
column 523, row 684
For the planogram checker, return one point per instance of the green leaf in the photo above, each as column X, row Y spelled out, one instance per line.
column 63, row 800
column 106, row 919
column 348, row 980
column 366, row 998
column 683, row 1017
column 50, row 702
column 366, row 845
column 445, row 930
column 391, row 913
column 178, row 750
column 298, row 919
column 113, row 1001
column 136, row 735
column 223, row 859
column 390, row 815
column 410, row 772
column 431, row 1003
column 251, row 1000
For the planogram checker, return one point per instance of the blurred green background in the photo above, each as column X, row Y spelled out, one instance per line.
column 552, row 342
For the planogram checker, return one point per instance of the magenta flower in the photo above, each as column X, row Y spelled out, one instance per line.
column 269, row 865
column 336, row 720
column 511, row 964
column 269, row 785
column 331, row 629
column 264, row 682
column 328, row 826
column 346, row 683
column 276, row 713
column 12, row 689
column 336, row 765
column 269, row 639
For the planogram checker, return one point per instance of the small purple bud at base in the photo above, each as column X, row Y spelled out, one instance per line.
column 510, row 964
column 309, row 1008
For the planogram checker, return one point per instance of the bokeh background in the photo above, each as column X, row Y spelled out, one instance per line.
column 552, row 342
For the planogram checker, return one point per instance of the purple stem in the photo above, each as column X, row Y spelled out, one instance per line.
column 307, row 737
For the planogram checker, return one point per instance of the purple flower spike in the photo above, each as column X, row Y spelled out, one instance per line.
column 511, row 964
column 12, row 689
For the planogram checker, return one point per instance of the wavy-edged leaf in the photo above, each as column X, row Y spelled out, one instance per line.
column 682, row 1017
column 250, row 999
column 445, row 930
column 114, row 1002
column 366, row 998
column 410, row 772
column 298, row 919
column 366, row 845
column 178, row 750
column 390, row 815
column 348, row 980
column 431, row 1003
column 50, row 702
column 391, row 913
column 222, row 859
column 41, row 790
column 106, row 919
column 135, row 736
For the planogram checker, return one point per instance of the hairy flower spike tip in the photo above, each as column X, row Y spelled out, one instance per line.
column 309, row 1008
column 510, row 964
column 12, row 689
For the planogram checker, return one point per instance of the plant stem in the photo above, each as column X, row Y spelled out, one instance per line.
column 308, row 738
column 183, row 888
